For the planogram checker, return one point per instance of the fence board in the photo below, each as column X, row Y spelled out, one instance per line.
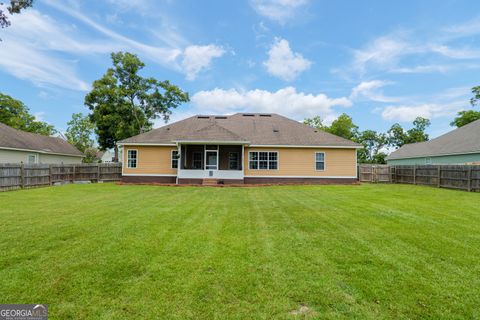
column 17, row 176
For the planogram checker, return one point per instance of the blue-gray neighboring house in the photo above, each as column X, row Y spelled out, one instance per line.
column 460, row 146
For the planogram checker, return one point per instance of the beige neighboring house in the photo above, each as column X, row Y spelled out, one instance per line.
column 18, row 146
column 241, row 148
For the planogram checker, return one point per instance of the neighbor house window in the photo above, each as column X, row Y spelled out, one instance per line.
column 32, row 158
column 132, row 158
column 175, row 157
column 197, row 160
column 233, row 160
column 263, row 160
column 319, row 161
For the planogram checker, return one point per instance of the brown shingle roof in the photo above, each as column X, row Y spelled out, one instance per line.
column 465, row 139
column 255, row 128
column 16, row 139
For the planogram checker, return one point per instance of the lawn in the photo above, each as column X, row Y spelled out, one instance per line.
column 106, row 251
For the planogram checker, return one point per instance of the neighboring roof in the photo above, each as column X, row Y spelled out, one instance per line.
column 462, row 140
column 248, row 128
column 11, row 138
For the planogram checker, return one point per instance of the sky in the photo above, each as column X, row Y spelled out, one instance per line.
column 381, row 62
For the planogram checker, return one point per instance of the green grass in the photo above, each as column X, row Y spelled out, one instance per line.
column 107, row 251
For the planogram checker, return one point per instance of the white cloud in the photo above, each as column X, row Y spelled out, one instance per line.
column 278, row 10
column 370, row 90
column 286, row 101
column 428, row 110
column 197, row 58
column 283, row 62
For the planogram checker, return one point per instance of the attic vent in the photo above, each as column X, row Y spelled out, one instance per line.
column 203, row 117
column 248, row 115
column 265, row 115
column 220, row 117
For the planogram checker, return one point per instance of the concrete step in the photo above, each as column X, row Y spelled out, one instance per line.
column 210, row 182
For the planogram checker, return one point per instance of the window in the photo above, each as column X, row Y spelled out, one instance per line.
column 319, row 161
column 32, row 158
column 197, row 160
column 233, row 160
column 175, row 157
column 263, row 160
column 132, row 158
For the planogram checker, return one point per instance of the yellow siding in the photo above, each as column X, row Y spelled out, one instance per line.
column 150, row 160
column 301, row 162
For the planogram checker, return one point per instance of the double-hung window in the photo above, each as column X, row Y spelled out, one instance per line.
column 263, row 160
column 233, row 160
column 132, row 156
column 175, row 157
column 319, row 161
column 197, row 160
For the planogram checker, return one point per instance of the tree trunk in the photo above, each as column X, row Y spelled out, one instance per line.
column 115, row 155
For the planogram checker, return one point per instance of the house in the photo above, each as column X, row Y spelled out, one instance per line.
column 108, row 155
column 240, row 148
column 18, row 146
column 460, row 146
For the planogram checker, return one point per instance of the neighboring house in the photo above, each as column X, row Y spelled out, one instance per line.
column 108, row 155
column 460, row 146
column 241, row 148
column 18, row 146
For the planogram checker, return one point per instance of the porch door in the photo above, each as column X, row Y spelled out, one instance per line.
column 211, row 157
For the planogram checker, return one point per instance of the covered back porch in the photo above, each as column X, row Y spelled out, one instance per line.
column 219, row 163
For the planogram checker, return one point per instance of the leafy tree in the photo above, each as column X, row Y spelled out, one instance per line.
column 80, row 131
column 476, row 96
column 465, row 117
column 17, row 115
column 15, row 7
column 123, row 103
column 343, row 126
column 397, row 136
column 373, row 142
column 315, row 122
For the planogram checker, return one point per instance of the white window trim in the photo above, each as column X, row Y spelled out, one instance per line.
column 324, row 160
column 268, row 160
column 171, row 159
column 136, row 159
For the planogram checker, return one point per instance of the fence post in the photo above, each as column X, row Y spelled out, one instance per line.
column 469, row 173
column 439, row 173
column 414, row 174
column 22, row 176
column 73, row 174
column 50, row 174
column 98, row 172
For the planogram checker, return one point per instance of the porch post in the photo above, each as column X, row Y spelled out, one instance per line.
column 243, row 157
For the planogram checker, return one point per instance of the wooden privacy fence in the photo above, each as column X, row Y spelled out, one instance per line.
column 374, row 173
column 462, row 177
column 19, row 176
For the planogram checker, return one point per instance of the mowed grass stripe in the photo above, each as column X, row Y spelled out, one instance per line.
column 372, row 251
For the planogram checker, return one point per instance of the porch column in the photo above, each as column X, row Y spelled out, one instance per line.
column 243, row 157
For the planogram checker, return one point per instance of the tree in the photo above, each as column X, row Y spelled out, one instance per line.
column 16, row 115
column 465, row 117
column 123, row 103
column 397, row 136
column 373, row 142
column 15, row 7
column 343, row 126
column 476, row 96
column 80, row 131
